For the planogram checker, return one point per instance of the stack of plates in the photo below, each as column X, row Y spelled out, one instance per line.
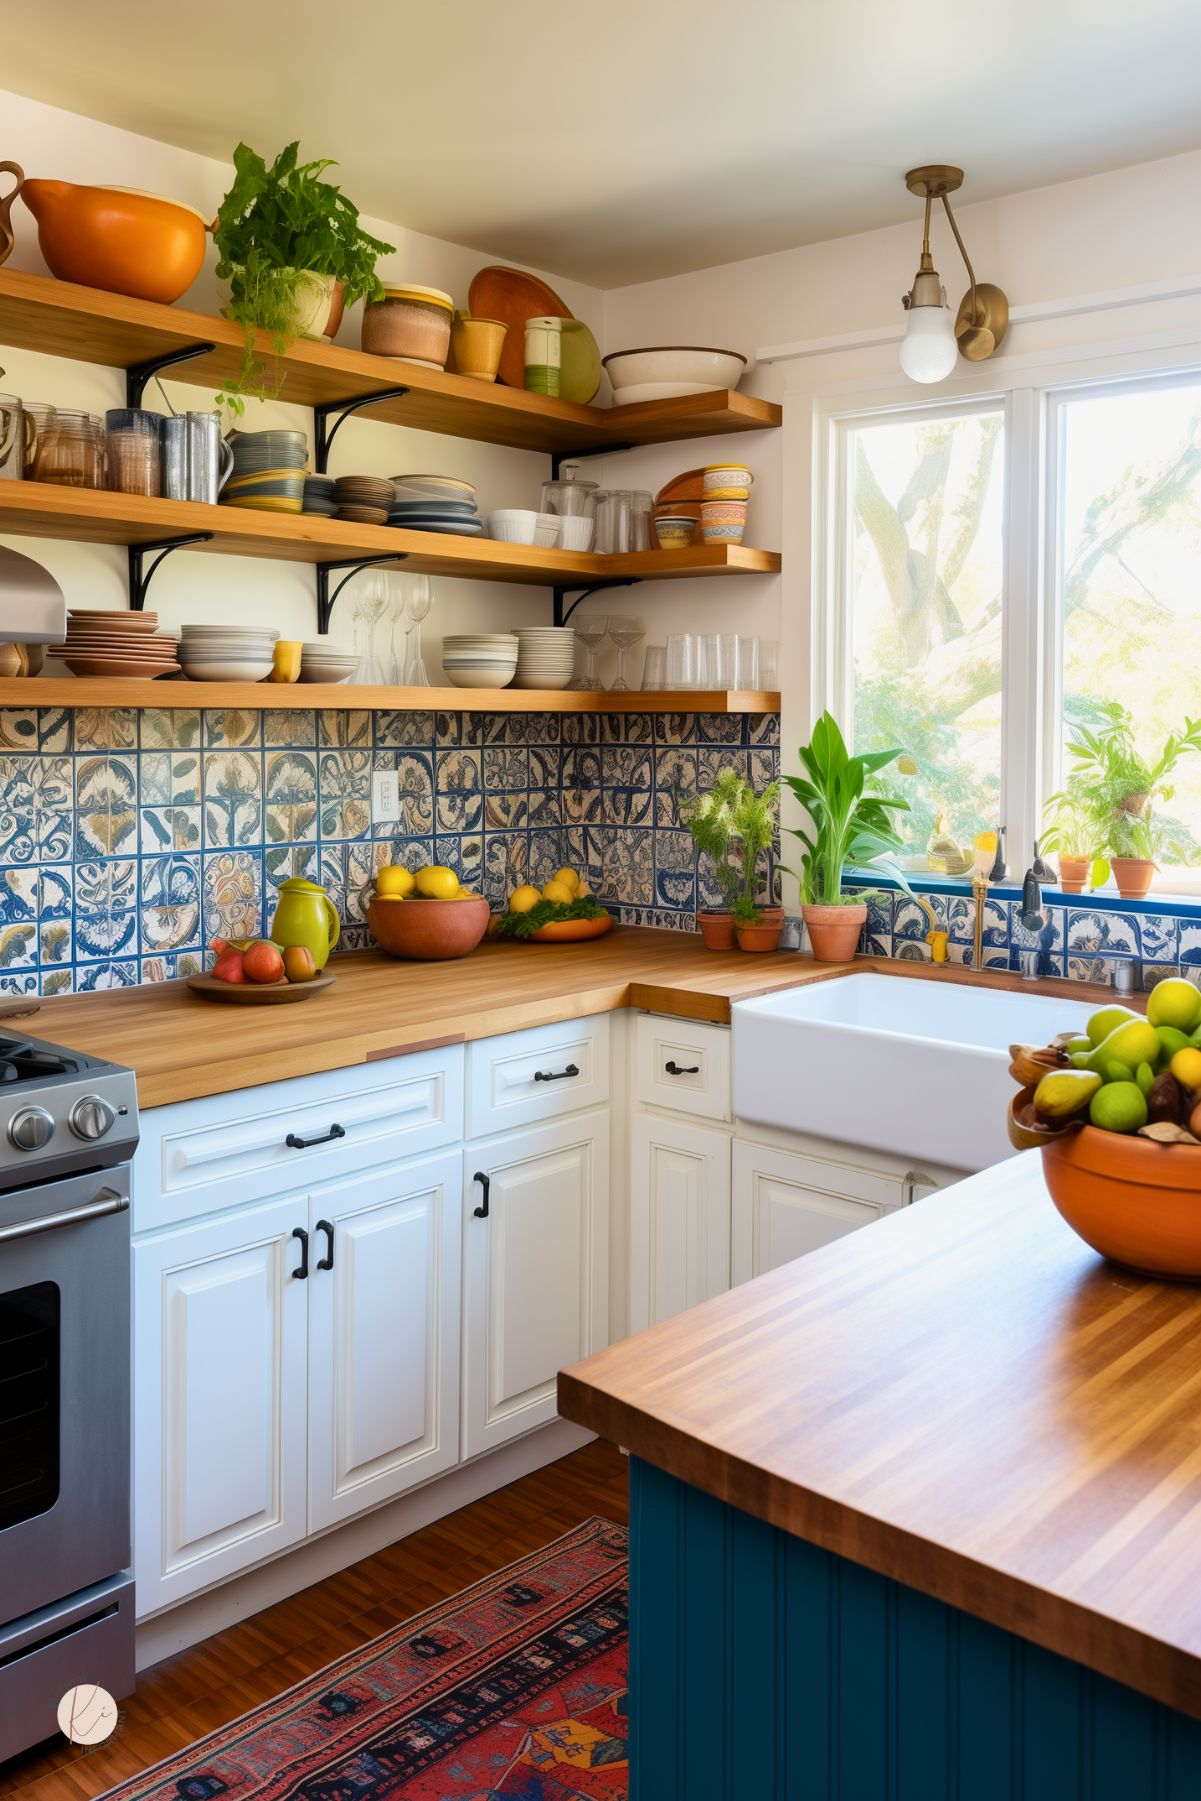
column 545, row 656
column 432, row 487
column 363, row 499
column 323, row 662
column 458, row 517
column 227, row 653
column 268, row 472
column 117, row 644
column 480, row 659
column 319, row 495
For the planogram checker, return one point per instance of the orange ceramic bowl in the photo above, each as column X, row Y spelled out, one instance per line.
column 428, row 931
column 1135, row 1201
column 117, row 239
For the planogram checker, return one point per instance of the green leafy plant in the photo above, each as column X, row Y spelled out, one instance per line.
column 850, row 821
column 524, row 925
column 1121, row 792
column 731, row 817
column 1071, row 828
column 709, row 816
column 276, row 228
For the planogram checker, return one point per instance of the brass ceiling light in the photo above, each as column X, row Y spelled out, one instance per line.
column 931, row 343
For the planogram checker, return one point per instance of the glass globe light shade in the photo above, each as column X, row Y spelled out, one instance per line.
column 929, row 351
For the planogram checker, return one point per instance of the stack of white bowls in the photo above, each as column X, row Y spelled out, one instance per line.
column 226, row 653
column 545, row 656
column 480, row 659
column 324, row 662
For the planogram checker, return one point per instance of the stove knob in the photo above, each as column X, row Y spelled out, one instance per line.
column 30, row 1129
column 90, row 1117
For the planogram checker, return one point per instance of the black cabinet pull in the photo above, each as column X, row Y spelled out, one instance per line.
column 326, row 1262
column 674, row 1069
column 295, row 1143
column 556, row 1075
column 485, row 1183
column 301, row 1272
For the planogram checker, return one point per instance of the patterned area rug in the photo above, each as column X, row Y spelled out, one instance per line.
column 514, row 1688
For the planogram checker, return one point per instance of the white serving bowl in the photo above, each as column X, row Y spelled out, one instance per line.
column 513, row 525
column 664, row 371
column 224, row 669
column 551, row 680
column 479, row 678
column 247, row 634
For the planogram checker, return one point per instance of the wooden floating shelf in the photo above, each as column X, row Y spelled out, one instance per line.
column 53, row 691
column 94, row 516
column 58, row 318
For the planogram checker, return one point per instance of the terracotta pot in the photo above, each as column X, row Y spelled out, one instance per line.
column 319, row 303
column 834, row 931
column 716, row 928
column 766, row 932
column 117, row 239
column 1073, row 873
column 1133, row 1200
column 1133, row 876
column 428, row 931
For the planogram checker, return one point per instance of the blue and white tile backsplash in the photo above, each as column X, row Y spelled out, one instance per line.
column 130, row 838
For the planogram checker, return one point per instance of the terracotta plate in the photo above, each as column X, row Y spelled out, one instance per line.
column 571, row 931
column 257, row 994
column 510, row 294
column 688, row 486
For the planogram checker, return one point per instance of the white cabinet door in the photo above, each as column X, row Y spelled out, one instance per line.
column 219, row 1395
column 679, row 1216
column 786, row 1204
column 383, row 1335
column 535, row 1271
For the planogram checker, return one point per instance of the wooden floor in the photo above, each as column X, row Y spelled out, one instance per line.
column 182, row 1698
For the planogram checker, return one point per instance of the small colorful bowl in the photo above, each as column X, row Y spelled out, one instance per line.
column 723, row 521
column 727, row 481
column 674, row 532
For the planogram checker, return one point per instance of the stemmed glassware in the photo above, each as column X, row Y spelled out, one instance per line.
column 591, row 629
column 419, row 598
column 625, row 633
column 370, row 605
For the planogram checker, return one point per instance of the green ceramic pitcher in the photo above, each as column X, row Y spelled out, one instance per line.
column 305, row 914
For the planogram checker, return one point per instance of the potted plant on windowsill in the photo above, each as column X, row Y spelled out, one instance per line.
column 1124, row 793
column 850, row 822
column 291, row 247
column 728, row 815
column 1071, row 836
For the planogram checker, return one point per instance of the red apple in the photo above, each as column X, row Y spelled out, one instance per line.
column 230, row 967
column 263, row 963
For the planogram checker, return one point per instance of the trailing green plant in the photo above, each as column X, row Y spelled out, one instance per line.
column 850, row 820
column 275, row 228
column 732, row 815
column 1071, row 828
column 1122, row 792
column 544, row 913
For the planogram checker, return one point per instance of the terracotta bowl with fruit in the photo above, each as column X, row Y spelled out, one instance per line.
column 425, row 915
column 561, row 912
column 1116, row 1113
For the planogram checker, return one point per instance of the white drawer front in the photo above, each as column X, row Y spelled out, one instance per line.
column 226, row 1150
column 524, row 1077
column 683, row 1065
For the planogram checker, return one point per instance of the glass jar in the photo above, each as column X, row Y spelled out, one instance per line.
column 71, row 454
column 133, row 440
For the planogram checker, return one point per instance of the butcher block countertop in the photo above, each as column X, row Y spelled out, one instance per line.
column 183, row 1046
column 963, row 1398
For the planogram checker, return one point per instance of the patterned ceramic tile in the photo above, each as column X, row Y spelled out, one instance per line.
column 232, row 894
column 290, row 792
column 178, row 729
column 232, row 728
column 459, row 802
column 169, row 828
column 339, row 729
column 106, row 728
column 1110, row 933
column 1157, row 937
column 623, row 861
column 106, row 800
column 18, row 728
column 233, row 798
column 674, row 870
column 1189, row 942
column 505, row 812
column 284, row 728
column 581, row 728
column 506, row 769
column 395, row 731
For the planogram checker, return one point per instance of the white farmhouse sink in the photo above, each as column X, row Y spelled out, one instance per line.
column 915, row 1067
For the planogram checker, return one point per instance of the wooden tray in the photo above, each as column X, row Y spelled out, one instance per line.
column 571, row 931
column 257, row 994
column 513, row 296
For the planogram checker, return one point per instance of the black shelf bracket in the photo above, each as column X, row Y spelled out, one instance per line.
column 559, row 457
column 338, row 410
column 140, row 576
column 327, row 596
column 562, row 614
column 139, row 374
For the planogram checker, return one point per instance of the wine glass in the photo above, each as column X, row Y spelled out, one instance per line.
column 398, row 633
column 418, row 601
column 591, row 629
column 625, row 633
column 373, row 605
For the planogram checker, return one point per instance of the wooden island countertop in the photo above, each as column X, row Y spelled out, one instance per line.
column 963, row 1398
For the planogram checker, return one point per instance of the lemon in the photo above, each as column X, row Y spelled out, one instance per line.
column 1133, row 1043
column 559, row 892
column 393, row 882
column 1107, row 1020
column 523, row 898
column 1118, row 1107
column 569, row 879
column 436, row 882
column 1186, row 1067
column 1174, row 1003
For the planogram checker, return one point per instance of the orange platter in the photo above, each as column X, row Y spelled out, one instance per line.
column 571, row 931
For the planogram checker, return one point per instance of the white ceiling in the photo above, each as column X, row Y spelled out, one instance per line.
column 625, row 140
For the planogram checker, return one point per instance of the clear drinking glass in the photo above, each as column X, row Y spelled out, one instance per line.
column 641, row 503
column 723, row 659
column 654, row 668
column 769, row 663
column 591, row 629
column 748, row 663
column 702, row 674
column 418, row 601
column 625, row 633
column 681, row 660
column 614, row 520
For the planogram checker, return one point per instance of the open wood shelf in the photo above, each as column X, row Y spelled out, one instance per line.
column 53, row 691
column 58, row 318
column 94, row 516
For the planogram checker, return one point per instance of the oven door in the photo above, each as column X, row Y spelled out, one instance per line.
column 64, row 1388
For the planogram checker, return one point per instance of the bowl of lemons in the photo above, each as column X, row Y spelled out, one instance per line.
column 1116, row 1112
column 425, row 914
column 562, row 911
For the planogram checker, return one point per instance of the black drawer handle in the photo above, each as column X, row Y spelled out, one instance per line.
column 326, row 1262
column 301, row 1272
column 674, row 1069
column 485, row 1183
column 556, row 1075
column 304, row 1144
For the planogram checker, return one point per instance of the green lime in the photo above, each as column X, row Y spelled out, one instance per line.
column 1084, row 1044
column 1172, row 1041
column 1174, row 1002
column 1117, row 1072
column 1118, row 1107
column 1108, row 1020
column 1133, row 1042
column 1144, row 1075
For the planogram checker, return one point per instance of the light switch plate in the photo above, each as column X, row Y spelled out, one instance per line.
column 385, row 796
